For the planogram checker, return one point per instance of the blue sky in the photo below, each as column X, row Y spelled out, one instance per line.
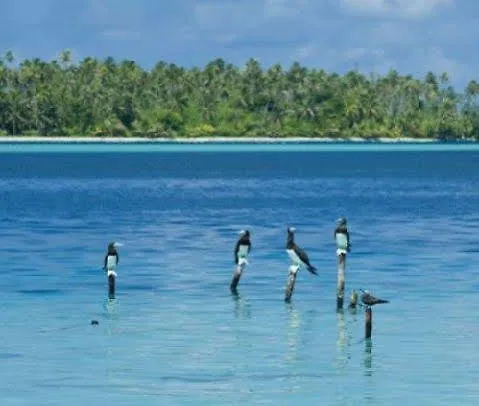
column 412, row 36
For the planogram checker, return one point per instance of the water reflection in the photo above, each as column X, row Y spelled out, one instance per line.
column 342, row 341
column 368, row 357
column 293, row 332
column 111, row 308
column 242, row 307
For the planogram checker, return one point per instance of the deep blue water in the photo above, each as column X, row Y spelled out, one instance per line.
column 175, row 335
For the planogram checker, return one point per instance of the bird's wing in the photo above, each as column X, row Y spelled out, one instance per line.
column 302, row 255
column 236, row 251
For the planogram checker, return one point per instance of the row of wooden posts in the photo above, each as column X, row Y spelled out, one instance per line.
column 340, row 288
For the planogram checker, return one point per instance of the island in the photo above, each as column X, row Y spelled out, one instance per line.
column 108, row 99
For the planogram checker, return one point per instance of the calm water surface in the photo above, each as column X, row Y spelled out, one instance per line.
column 175, row 335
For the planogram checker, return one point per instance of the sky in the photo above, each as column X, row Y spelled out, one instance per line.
column 373, row 36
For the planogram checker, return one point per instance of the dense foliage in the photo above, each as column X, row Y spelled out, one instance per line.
column 109, row 98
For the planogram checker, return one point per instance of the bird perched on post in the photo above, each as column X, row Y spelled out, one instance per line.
column 370, row 300
column 242, row 247
column 297, row 255
column 341, row 236
column 112, row 258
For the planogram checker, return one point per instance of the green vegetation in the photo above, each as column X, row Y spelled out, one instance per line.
column 109, row 98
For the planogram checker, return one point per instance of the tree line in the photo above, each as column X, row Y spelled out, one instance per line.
column 118, row 99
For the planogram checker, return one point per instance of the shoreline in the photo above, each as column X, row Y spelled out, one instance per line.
column 225, row 140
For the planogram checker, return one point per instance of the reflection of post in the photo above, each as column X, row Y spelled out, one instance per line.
column 242, row 309
column 293, row 331
column 368, row 319
column 342, row 340
column 368, row 357
column 293, row 271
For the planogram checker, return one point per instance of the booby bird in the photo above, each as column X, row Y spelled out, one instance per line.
column 297, row 255
column 242, row 248
column 341, row 236
column 112, row 258
column 370, row 300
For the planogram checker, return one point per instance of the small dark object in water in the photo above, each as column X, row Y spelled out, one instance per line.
column 94, row 323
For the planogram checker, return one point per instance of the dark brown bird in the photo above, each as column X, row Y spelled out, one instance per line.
column 370, row 300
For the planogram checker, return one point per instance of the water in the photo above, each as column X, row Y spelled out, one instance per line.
column 175, row 335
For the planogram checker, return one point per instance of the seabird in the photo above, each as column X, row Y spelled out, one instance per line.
column 297, row 255
column 370, row 300
column 112, row 258
column 242, row 248
column 341, row 236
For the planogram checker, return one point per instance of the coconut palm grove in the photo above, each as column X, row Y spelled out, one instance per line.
column 105, row 97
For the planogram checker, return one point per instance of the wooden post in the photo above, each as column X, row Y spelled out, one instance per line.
column 368, row 319
column 293, row 271
column 353, row 300
column 237, row 276
column 341, row 281
column 111, row 286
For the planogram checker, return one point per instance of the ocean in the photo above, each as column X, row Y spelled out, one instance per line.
column 175, row 335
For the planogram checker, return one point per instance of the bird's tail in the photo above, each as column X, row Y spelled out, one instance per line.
column 379, row 301
column 312, row 269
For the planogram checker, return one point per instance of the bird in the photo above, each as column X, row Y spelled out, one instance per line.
column 370, row 300
column 341, row 235
column 112, row 258
column 242, row 247
column 297, row 255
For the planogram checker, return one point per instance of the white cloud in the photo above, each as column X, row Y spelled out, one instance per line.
column 396, row 8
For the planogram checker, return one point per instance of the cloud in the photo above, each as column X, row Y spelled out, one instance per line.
column 394, row 8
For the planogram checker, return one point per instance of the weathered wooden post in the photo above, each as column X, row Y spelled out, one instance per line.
column 353, row 300
column 369, row 301
column 368, row 318
column 237, row 275
column 340, row 281
column 293, row 272
column 341, row 236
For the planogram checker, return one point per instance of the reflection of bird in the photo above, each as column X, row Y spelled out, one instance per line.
column 370, row 300
column 242, row 247
column 297, row 255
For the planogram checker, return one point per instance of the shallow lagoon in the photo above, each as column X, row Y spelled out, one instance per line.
column 175, row 335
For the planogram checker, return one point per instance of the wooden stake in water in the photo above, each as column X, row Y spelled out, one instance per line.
column 293, row 272
column 111, row 285
column 341, row 236
column 368, row 322
column 341, row 281
column 369, row 300
column 237, row 275
column 353, row 300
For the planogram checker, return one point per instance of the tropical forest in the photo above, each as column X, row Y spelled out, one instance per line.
column 109, row 98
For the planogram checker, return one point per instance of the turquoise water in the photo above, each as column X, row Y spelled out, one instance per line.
column 175, row 335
